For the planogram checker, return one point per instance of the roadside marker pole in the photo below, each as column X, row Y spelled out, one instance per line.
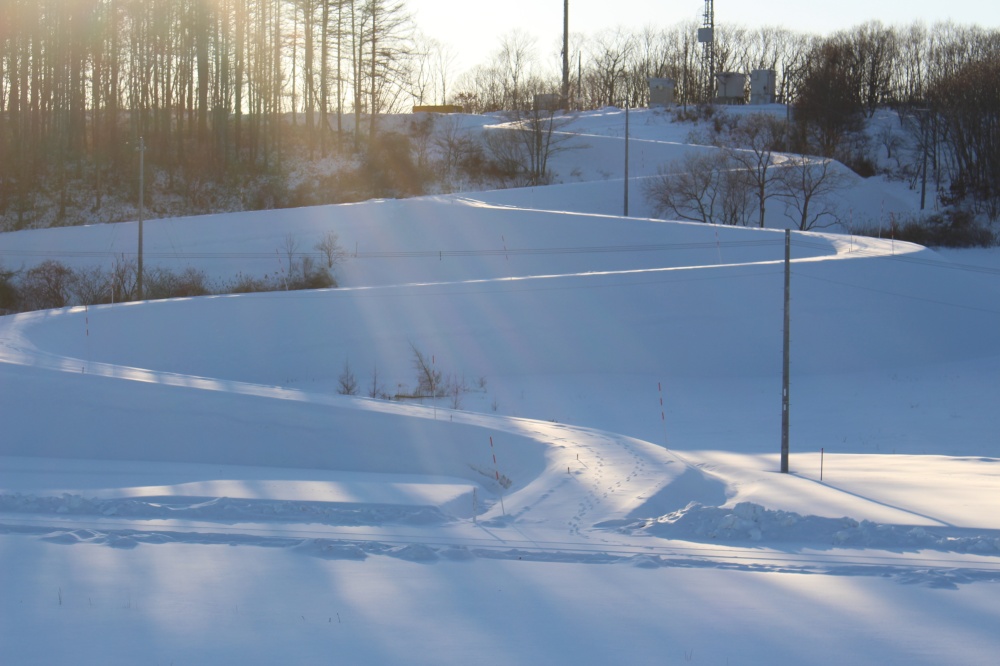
column 281, row 268
column 663, row 415
column 496, row 470
column 86, row 325
column 506, row 257
column 851, row 226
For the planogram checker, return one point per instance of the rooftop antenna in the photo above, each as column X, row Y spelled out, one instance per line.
column 706, row 35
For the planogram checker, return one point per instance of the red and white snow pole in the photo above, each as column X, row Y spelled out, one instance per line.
column 663, row 414
column 496, row 470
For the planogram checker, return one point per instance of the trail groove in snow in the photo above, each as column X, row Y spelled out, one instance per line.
column 497, row 542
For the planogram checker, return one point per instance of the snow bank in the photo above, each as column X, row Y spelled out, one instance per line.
column 747, row 521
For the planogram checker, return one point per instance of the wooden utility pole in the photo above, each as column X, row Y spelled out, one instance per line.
column 626, row 159
column 565, row 55
column 925, row 113
column 142, row 196
column 785, row 370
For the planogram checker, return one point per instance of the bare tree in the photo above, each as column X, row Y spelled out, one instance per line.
column 444, row 57
column 124, row 276
column 806, row 185
column 514, row 61
column 387, row 37
column 828, row 106
column 609, row 53
column 454, row 145
column 9, row 293
column 793, row 49
column 756, row 139
column 689, row 188
column 92, row 286
column 525, row 146
column 968, row 105
column 876, row 49
column 347, row 383
column 455, row 389
column 331, row 249
column 735, row 204
column 421, row 82
column 376, row 389
column 47, row 285
column 290, row 248
column 428, row 377
column 431, row 63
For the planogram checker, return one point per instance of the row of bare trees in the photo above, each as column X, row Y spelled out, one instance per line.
column 205, row 82
column 222, row 89
column 948, row 103
column 733, row 181
column 965, row 111
column 755, row 158
column 941, row 79
column 889, row 64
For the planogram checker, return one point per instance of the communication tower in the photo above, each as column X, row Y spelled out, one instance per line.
column 706, row 35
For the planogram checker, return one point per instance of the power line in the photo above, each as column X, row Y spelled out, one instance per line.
column 898, row 295
column 551, row 251
column 909, row 259
column 411, row 254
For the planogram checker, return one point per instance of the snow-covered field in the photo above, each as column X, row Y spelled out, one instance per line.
column 181, row 483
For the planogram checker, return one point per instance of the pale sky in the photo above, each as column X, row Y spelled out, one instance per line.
column 474, row 28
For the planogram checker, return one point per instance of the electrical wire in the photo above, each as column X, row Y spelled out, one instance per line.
column 413, row 254
column 922, row 299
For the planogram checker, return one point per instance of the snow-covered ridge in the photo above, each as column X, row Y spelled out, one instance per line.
column 181, row 482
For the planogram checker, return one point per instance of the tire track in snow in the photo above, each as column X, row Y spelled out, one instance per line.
column 935, row 570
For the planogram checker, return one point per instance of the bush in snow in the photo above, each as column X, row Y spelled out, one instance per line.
column 952, row 228
column 47, row 285
column 8, row 292
column 347, row 383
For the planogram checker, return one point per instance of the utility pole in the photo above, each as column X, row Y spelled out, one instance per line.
column 785, row 353
column 142, row 197
column 626, row 159
column 565, row 55
column 925, row 113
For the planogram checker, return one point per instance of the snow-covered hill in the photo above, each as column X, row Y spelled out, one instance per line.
column 181, row 481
